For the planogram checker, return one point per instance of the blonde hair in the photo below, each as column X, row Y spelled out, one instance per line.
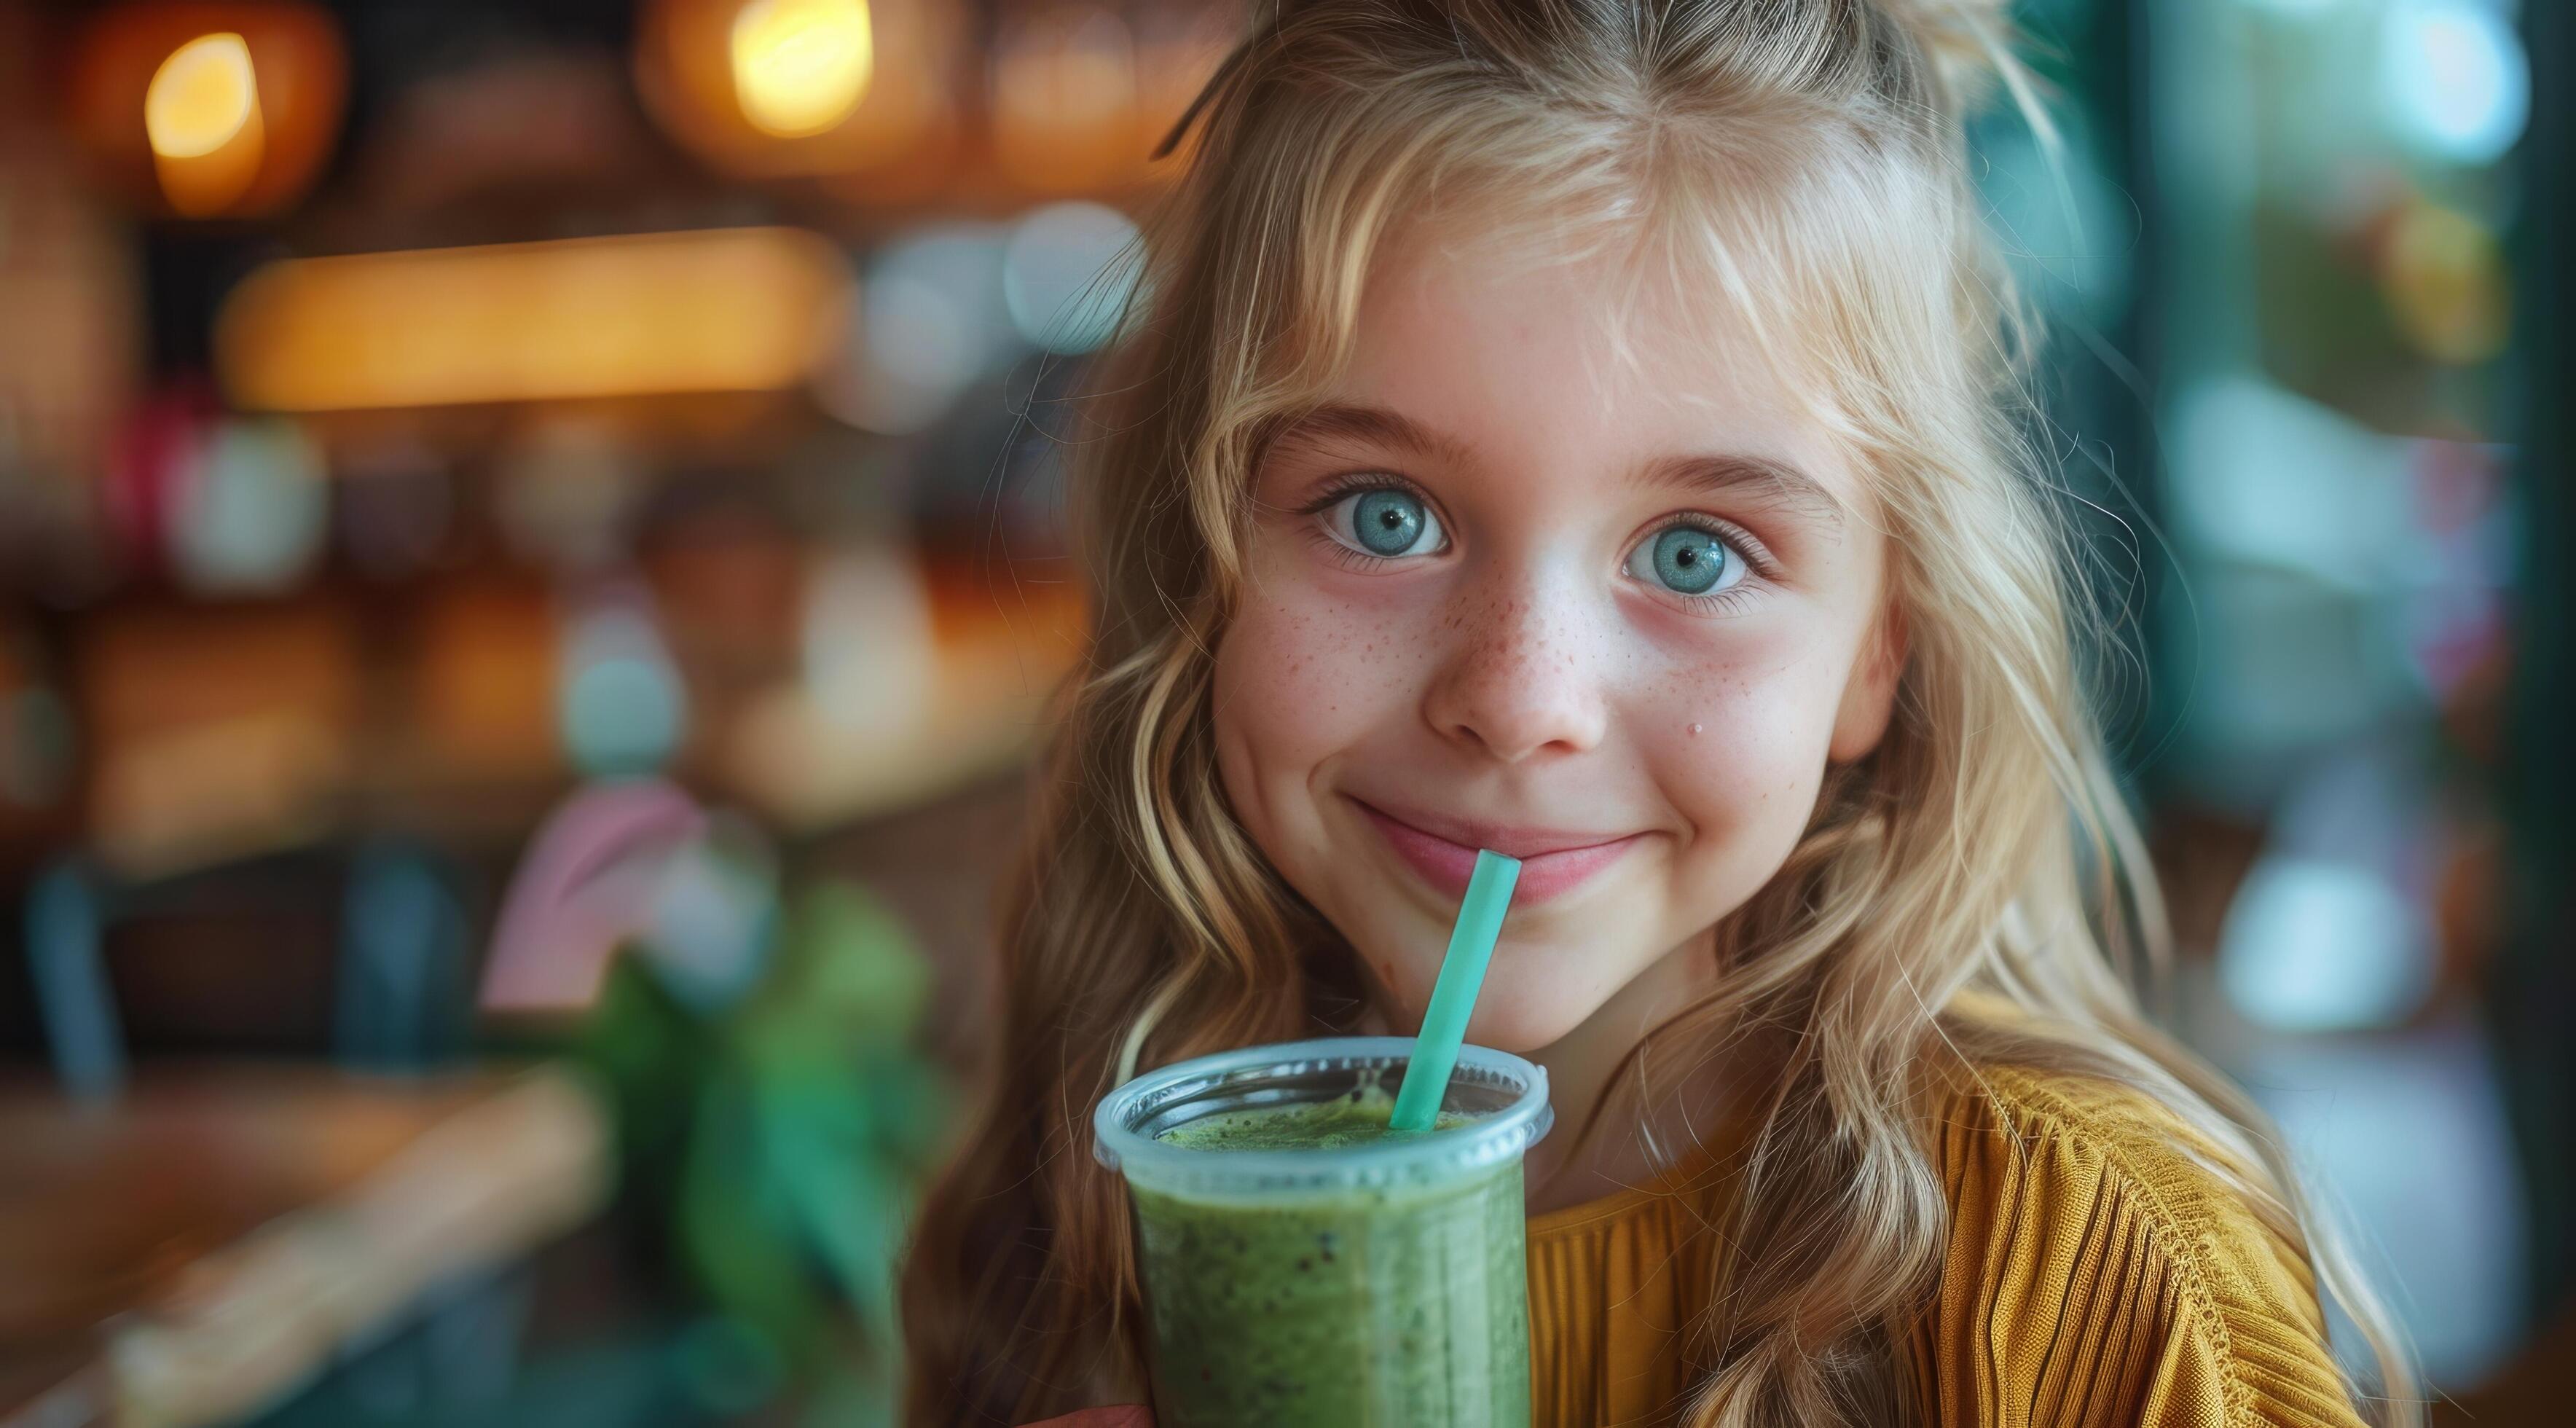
column 1806, row 161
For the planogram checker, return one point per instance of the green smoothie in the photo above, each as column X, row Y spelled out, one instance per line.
column 1355, row 1119
column 1392, row 1304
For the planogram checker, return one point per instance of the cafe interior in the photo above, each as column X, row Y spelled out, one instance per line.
column 533, row 566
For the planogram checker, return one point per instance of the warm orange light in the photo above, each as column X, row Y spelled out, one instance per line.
column 1065, row 103
column 202, row 96
column 737, row 310
column 771, row 87
column 799, row 66
column 201, row 116
column 222, row 107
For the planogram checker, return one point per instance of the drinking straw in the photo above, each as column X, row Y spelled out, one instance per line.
column 1453, row 995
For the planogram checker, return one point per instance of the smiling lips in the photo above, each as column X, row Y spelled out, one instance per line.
column 1553, row 861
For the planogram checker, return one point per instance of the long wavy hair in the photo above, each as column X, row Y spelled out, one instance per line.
column 1806, row 162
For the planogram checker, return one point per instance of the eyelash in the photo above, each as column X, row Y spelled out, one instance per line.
column 1757, row 560
column 1339, row 488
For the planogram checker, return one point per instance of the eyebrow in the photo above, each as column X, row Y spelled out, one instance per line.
column 1375, row 426
column 1757, row 477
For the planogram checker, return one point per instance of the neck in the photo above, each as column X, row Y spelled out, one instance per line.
column 1570, row 1166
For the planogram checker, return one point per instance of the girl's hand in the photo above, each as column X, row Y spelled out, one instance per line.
column 1127, row 1415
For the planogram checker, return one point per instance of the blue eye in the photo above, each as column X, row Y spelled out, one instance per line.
column 1686, row 560
column 1385, row 522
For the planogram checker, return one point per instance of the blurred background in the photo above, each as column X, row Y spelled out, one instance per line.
column 530, row 569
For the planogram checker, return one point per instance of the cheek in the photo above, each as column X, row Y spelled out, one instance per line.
column 1747, row 780
column 1301, row 676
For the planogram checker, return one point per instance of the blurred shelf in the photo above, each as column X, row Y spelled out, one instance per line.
column 201, row 1246
column 210, row 732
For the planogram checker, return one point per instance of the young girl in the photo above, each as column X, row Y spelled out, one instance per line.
column 1586, row 429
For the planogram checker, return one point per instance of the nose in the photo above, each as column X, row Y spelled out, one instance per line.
column 1520, row 684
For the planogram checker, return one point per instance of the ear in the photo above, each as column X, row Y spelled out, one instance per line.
column 1869, row 697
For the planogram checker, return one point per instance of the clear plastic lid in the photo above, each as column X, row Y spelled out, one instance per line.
column 1505, row 1096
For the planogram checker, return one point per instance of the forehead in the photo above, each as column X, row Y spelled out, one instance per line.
column 1585, row 357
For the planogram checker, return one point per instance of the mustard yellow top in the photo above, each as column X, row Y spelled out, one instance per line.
column 2096, row 1276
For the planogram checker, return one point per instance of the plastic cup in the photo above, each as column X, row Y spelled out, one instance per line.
column 1378, row 1283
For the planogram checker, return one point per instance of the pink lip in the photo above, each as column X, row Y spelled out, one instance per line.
column 1553, row 861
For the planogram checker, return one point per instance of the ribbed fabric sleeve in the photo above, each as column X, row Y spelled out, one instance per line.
column 2097, row 1273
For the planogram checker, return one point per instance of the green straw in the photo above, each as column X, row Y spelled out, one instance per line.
column 1453, row 996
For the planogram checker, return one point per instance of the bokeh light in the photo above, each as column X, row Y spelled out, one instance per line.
column 2455, row 79
column 251, row 508
column 800, row 66
column 1067, row 273
column 2443, row 274
column 201, row 98
column 770, row 88
column 930, row 321
column 624, row 710
column 2318, row 945
column 208, row 108
column 716, row 311
column 202, row 117
column 1064, row 101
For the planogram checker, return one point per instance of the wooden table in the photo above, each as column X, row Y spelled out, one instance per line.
column 203, row 1245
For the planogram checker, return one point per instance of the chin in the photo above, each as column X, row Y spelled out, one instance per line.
column 1524, row 1020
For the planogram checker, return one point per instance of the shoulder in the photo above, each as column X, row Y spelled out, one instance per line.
column 2101, row 1268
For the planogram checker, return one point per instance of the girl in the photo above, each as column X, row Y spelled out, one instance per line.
column 1585, row 429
